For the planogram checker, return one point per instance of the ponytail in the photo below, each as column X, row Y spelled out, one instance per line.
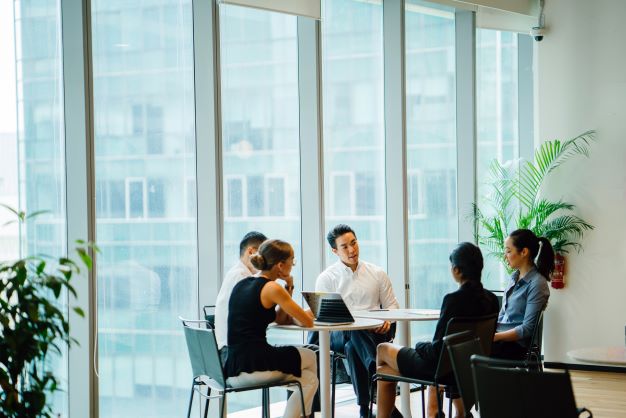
column 541, row 251
column 545, row 258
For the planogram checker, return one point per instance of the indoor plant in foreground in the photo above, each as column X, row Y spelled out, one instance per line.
column 33, row 325
column 515, row 201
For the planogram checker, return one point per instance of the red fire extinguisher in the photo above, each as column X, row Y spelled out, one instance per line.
column 559, row 270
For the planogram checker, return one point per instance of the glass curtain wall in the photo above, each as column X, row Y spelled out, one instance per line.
column 9, row 233
column 260, row 142
column 354, row 137
column 145, row 203
column 497, row 121
column 32, row 141
column 431, row 155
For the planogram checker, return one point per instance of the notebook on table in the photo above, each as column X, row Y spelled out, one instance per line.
column 328, row 308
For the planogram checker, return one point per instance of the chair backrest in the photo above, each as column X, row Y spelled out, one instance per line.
column 203, row 352
column 209, row 314
column 461, row 347
column 503, row 385
column 534, row 348
column 482, row 327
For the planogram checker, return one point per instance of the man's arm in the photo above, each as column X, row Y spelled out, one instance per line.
column 387, row 297
column 324, row 283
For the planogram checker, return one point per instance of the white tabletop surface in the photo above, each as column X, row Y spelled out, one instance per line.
column 399, row 314
column 615, row 356
column 359, row 323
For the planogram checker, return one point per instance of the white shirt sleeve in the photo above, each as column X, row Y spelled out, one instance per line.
column 324, row 283
column 387, row 297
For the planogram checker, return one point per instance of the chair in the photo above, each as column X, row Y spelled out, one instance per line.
column 533, row 356
column 483, row 327
column 205, row 361
column 508, row 388
column 461, row 347
column 209, row 314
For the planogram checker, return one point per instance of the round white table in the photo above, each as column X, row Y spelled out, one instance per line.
column 324, row 353
column 612, row 356
column 403, row 317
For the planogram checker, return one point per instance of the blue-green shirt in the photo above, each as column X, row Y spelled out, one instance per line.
column 523, row 300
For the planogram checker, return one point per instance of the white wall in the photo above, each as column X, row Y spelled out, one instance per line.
column 581, row 85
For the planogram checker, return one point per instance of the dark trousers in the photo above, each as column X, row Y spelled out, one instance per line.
column 359, row 348
column 509, row 350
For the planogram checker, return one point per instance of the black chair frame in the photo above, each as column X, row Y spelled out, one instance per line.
column 524, row 368
column 460, row 347
column 210, row 366
column 533, row 356
column 443, row 375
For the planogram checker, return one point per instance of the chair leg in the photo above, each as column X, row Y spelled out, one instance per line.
column 266, row 403
column 206, row 406
column 423, row 401
column 372, row 384
column 450, row 406
column 223, row 406
column 193, row 386
column 334, row 382
column 439, row 402
column 301, row 399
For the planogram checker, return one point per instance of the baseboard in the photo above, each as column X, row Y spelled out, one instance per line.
column 584, row 367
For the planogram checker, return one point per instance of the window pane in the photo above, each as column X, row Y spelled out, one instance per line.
column 431, row 154
column 9, row 107
column 234, row 197
column 260, row 134
column 32, row 144
column 497, row 120
column 354, row 137
column 145, row 162
column 135, row 198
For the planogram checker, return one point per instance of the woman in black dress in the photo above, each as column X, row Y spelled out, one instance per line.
column 470, row 300
column 256, row 302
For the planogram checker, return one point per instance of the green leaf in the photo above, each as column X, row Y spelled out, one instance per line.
column 84, row 257
column 79, row 311
column 513, row 199
column 40, row 267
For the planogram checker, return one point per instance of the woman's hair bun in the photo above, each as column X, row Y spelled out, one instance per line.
column 258, row 261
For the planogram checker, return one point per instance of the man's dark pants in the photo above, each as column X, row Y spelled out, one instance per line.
column 360, row 350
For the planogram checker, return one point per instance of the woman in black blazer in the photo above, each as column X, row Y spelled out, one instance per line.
column 470, row 300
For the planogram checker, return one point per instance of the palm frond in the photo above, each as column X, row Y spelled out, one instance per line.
column 549, row 156
column 564, row 227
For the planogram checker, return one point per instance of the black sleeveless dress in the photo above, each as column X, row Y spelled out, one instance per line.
column 248, row 350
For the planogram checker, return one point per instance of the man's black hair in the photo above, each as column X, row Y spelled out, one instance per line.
column 251, row 239
column 336, row 232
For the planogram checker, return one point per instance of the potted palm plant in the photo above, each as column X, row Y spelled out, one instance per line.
column 33, row 325
column 514, row 201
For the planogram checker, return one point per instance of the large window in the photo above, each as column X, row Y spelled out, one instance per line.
column 146, row 230
column 9, row 233
column 260, row 140
column 145, row 190
column 431, row 154
column 354, row 137
column 497, row 120
column 32, row 142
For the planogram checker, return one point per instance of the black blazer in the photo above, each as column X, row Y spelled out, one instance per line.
column 470, row 300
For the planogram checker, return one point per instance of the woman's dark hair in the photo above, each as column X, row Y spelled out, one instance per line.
column 469, row 260
column 541, row 252
column 270, row 253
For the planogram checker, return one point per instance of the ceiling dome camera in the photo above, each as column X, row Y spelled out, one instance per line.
column 537, row 33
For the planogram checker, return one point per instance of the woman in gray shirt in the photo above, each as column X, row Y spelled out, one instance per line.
column 526, row 295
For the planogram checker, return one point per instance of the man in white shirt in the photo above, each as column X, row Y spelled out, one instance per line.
column 363, row 286
column 248, row 246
